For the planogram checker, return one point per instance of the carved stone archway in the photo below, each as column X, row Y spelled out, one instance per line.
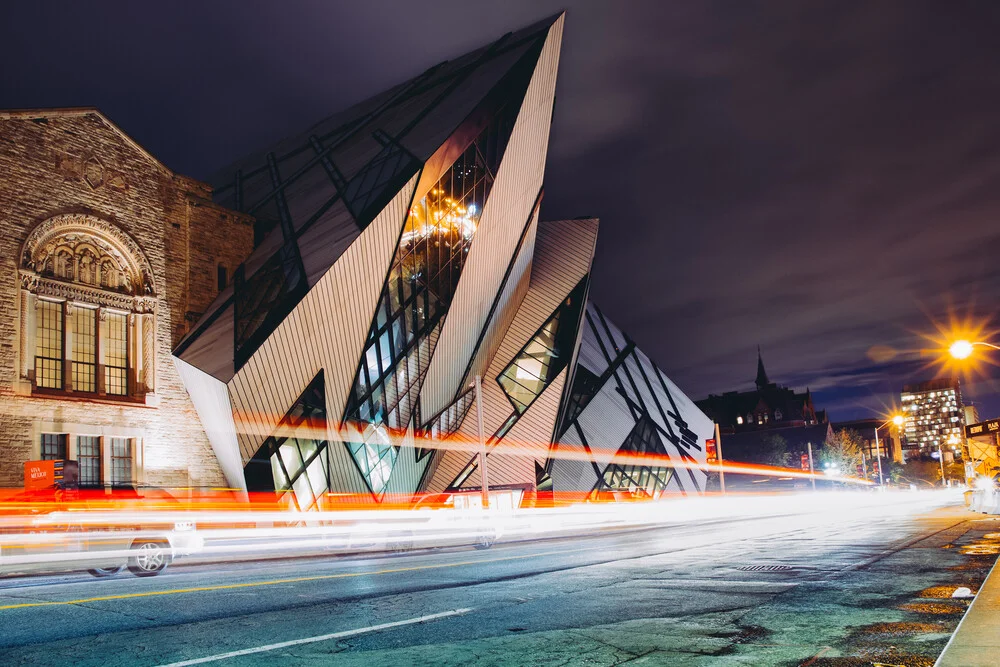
column 82, row 260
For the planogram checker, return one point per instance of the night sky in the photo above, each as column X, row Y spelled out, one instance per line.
column 819, row 179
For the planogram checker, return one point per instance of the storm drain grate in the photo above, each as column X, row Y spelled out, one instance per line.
column 765, row 568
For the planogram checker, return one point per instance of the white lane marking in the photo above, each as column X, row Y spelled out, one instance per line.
column 319, row 638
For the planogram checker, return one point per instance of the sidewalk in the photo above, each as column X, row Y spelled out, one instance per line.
column 977, row 638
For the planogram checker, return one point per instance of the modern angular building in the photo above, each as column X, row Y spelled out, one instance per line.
column 399, row 256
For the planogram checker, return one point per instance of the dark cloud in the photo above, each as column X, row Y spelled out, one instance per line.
column 818, row 178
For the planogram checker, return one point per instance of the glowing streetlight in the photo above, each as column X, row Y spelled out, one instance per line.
column 895, row 420
column 963, row 349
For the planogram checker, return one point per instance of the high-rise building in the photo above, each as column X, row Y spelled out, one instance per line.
column 933, row 416
column 970, row 414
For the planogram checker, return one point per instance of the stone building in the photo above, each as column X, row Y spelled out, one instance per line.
column 767, row 406
column 107, row 258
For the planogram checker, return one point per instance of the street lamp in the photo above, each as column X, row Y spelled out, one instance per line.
column 953, row 441
column 897, row 421
column 962, row 349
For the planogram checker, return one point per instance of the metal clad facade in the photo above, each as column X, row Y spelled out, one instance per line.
column 326, row 330
column 211, row 402
column 518, row 181
column 564, row 251
column 513, row 461
column 507, row 305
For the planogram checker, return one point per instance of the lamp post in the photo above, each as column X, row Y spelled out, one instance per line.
column 963, row 349
column 896, row 420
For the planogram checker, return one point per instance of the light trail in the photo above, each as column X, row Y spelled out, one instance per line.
column 541, row 450
column 76, row 539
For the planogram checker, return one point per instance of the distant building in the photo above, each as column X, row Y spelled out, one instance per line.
column 889, row 438
column 933, row 414
column 980, row 450
column 766, row 407
column 971, row 414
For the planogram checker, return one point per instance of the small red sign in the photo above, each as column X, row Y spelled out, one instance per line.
column 39, row 474
column 711, row 451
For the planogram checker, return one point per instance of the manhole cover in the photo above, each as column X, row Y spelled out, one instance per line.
column 765, row 568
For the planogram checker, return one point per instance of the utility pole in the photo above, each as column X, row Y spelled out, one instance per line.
column 482, row 443
column 864, row 465
column 812, row 474
column 941, row 461
column 878, row 457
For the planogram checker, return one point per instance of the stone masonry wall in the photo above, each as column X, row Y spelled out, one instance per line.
column 55, row 162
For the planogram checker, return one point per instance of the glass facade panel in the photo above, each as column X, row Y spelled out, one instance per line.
column 49, row 344
column 545, row 355
column 84, row 349
column 291, row 464
column 447, row 422
column 121, row 462
column 635, row 477
column 53, row 446
column 114, row 332
column 262, row 300
column 88, row 455
column 422, row 280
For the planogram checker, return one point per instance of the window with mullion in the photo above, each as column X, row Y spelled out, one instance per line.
column 49, row 344
column 121, row 462
column 84, row 349
column 54, row 446
column 114, row 332
column 88, row 456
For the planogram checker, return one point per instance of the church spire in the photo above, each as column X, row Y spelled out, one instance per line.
column 761, row 380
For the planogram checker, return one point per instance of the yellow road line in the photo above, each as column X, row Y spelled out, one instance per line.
column 295, row 580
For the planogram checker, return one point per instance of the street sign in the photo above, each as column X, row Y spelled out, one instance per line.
column 982, row 428
column 711, row 451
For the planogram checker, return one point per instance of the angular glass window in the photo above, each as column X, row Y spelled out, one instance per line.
column 545, row 355
column 635, row 477
column 421, row 283
column 262, row 300
column 289, row 462
column 585, row 386
column 447, row 422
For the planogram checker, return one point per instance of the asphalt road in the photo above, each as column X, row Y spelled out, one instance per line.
column 832, row 589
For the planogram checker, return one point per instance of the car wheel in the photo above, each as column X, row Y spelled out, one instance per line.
column 106, row 571
column 401, row 543
column 485, row 540
column 150, row 558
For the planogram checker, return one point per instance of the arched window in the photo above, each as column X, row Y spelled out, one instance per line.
column 87, row 310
